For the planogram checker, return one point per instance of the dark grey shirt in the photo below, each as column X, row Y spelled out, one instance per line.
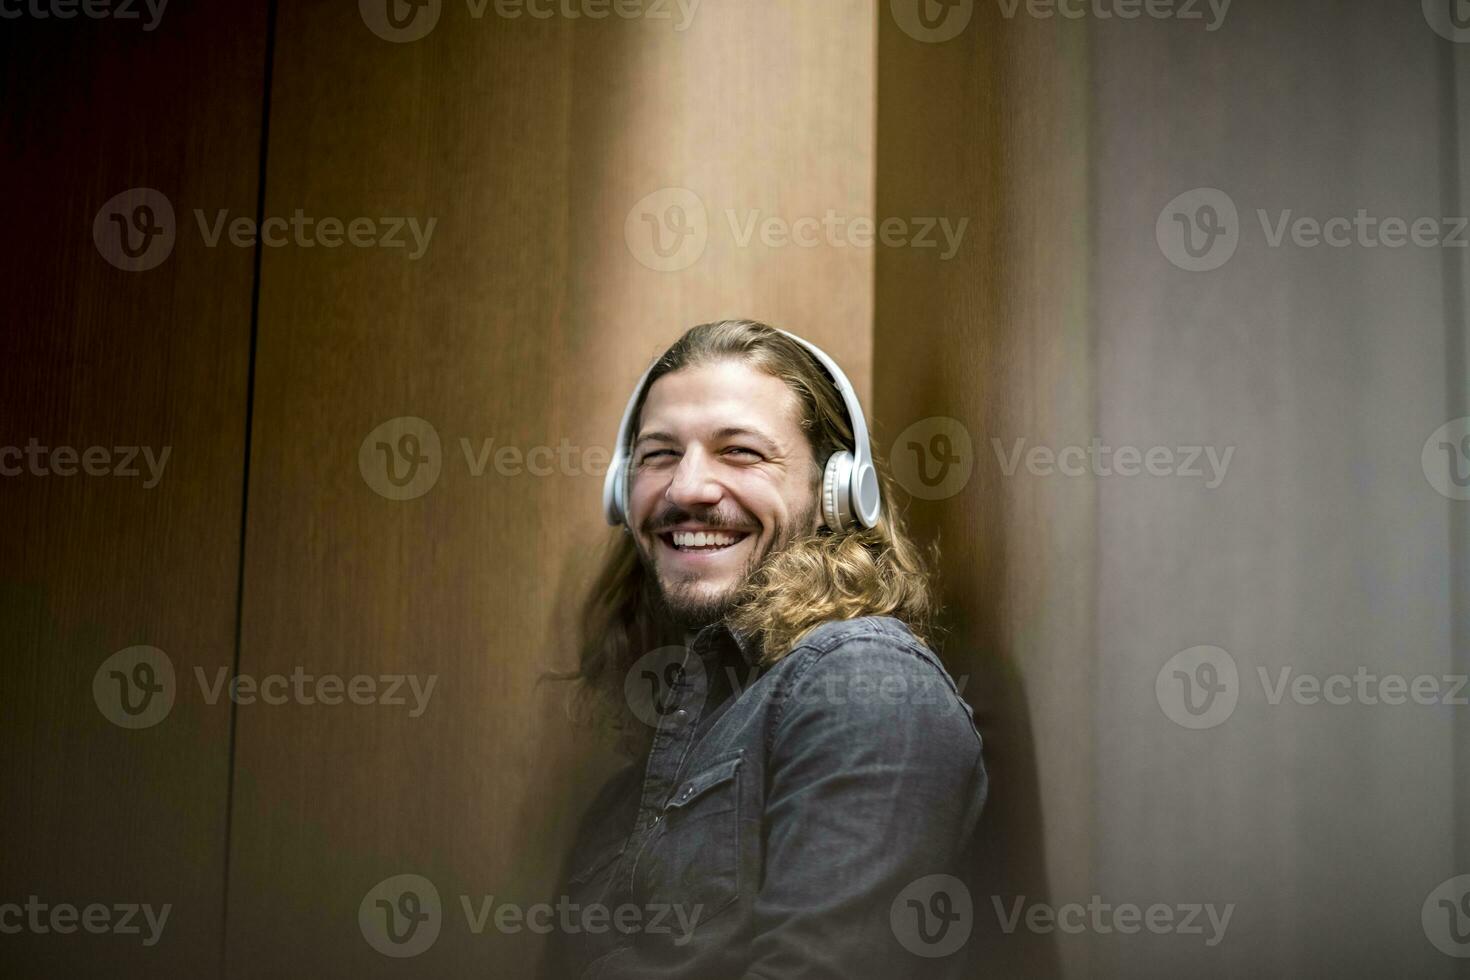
column 810, row 820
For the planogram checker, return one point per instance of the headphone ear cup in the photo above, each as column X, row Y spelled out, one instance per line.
column 836, row 489
column 620, row 494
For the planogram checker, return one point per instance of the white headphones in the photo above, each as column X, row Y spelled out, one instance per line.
column 849, row 482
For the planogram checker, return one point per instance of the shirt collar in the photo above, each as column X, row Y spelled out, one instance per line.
column 721, row 634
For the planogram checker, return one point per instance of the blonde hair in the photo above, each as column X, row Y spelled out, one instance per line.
column 877, row 571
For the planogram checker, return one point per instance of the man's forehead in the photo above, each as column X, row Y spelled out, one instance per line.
column 719, row 395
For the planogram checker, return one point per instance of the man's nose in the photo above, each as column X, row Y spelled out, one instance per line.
column 694, row 482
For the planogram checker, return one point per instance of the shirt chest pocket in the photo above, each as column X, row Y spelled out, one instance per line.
column 693, row 858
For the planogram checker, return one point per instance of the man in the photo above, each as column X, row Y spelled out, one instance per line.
column 805, row 772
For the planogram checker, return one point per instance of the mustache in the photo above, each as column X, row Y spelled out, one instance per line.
column 713, row 519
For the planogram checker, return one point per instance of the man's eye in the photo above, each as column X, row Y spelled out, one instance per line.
column 743, row 450
column 652, row 453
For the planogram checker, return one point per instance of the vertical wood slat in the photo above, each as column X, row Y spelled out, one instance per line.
column 95, row 356
column 526, row 321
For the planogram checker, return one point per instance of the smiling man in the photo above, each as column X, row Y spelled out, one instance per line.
column 805, row 778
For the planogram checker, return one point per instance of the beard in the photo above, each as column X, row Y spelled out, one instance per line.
column 685, row 602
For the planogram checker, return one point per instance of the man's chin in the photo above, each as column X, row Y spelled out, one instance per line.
column 687, row 609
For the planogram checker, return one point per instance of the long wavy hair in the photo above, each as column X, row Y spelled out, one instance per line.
column 877, row 571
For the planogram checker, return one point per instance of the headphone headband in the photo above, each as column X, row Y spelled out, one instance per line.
column 849, row 482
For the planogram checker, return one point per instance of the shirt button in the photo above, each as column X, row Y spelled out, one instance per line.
column 681, row 718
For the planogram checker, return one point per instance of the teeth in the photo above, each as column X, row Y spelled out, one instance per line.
column 703, row 539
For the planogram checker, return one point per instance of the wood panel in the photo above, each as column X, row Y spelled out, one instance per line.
column 991, row 126
column 94, row 560
column 525, row 321
column 1324, row 550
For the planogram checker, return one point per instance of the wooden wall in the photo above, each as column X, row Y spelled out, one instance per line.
column 546, row 152
column 95, row 356
column 1325, row 548
column 526, row 322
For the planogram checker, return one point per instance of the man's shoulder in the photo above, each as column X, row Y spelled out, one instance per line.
column 865, row 645
column 855, row 637
column 875, row 670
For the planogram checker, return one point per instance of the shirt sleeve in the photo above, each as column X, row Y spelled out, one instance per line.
column 876, row 784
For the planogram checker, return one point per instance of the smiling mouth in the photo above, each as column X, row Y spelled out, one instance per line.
column 702, row 542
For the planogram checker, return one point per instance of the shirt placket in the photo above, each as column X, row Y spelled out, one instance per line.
column 672, row 741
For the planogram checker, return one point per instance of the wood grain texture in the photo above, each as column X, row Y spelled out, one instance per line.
column 526, row 322
column 991, row 126
column 95, row 356
column 1325, row 549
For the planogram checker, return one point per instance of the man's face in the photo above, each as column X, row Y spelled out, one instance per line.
column 721, row 476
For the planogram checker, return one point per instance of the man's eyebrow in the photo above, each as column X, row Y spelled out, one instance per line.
column 736, row 431
column 728, row 432
column 653, row 437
